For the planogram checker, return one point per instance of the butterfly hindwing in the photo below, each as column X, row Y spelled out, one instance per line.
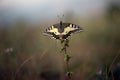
column 51, row 34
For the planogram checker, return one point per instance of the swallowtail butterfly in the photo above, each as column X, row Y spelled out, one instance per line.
column 62, row 30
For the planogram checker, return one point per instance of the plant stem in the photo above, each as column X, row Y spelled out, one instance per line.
column 67, row 65
column 67, row 58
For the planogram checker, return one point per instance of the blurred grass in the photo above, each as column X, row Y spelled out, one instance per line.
column 98, row 45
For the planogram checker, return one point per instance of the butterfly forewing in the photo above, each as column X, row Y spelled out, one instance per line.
column 53, row 29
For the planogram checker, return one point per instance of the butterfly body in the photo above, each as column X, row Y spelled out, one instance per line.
column 62, row 30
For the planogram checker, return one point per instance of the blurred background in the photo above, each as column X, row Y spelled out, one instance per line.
column 25, row 54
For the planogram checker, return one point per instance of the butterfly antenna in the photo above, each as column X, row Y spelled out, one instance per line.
column 60, row 18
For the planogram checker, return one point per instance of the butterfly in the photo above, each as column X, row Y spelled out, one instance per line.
column 62, row 30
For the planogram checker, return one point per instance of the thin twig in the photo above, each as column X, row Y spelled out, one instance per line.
column 67, row 62
column 114, row 59
column 28, row 59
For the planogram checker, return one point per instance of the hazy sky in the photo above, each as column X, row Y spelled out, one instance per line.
column 35, row 9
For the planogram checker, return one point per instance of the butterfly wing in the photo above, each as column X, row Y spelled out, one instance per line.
column 52, row 31
column 70, row 29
